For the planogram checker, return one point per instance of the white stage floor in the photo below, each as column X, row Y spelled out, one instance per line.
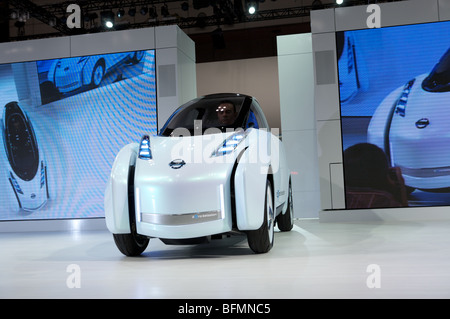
column 315, row 260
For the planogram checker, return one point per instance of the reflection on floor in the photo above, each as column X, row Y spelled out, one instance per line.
column 314, row 260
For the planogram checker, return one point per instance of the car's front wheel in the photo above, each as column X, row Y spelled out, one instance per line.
column 97, row 74
column 261, row 240
column 285, row 221
column 131, row 244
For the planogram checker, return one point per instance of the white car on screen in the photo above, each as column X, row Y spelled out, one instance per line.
column 27, row 168
column 412, row 126
column 215, row 168
column 70, row 74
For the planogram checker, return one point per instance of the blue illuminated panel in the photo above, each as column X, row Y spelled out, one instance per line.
column 81, row 111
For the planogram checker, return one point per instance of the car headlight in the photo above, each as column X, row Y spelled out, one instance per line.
column 15, row 184
column 400, row 108
column 145, row 151
column 42, row 174
column 229, row 144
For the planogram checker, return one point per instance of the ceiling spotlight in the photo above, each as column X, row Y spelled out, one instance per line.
column 107, row 19
column 152, row 12
column 144, row 11
column 185, row 6
column 165, row 10
column 201, row 20
column 252, row 6
column 52, row 22
column 132, row 12
column 120, row 13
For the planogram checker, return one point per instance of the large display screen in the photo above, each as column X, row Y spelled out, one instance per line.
column 63, row 122
column 394, row 86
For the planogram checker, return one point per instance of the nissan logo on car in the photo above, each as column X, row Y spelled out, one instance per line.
column 422, row 123
column 177, row 163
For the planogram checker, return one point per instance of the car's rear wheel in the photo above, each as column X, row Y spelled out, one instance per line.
column 97, row 74
column 137, row 57
column 285, row 221
column 261, row 240
column 131, row 244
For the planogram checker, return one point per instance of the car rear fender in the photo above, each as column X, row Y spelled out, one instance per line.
column 116, row 194
column 250, row 187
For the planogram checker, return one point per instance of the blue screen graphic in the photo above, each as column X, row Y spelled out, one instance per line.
column 63, row 122
column 394, row 86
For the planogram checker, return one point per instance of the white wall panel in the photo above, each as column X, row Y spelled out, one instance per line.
column 444, row 10
column 329, row 150
column 113, row 41
column 322, row 21
column 167, row 104
column 296, row 91
column 34, row 50
column 295, row 69
column 172, row 36
column 409, row 12
column 337, row 186
column 294, row 44
column 326, row 95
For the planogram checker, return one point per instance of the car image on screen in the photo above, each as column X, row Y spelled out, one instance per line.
column 411, row 125
column 215, row 168
column 87, row 71
column 27, row 172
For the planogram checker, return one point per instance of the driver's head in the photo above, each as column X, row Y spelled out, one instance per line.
column 226, row 113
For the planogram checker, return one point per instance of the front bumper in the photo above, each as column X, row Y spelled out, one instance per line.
column 193, row 202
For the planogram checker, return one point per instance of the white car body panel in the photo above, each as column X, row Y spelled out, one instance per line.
column 184, row 188
column 116, row 195
column 34, row 195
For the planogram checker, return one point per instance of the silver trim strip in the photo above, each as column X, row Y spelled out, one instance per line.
column 425, row 172
column 181, row 219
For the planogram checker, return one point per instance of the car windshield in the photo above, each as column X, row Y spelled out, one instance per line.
column 24, row 157
column 220, row 112
column 439, row 78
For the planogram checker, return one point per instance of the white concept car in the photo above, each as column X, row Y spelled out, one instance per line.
column 73, row 73
column 27, row 173
column 215, row 168
column 411, row 126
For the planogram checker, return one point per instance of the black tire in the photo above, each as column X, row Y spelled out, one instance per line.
column 285, row 221
column 137, row 57
column 130, row 244
column 97, row 74
column 261, row 240
column 49, row 92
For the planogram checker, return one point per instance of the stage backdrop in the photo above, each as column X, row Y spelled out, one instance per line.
column 63, row 122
